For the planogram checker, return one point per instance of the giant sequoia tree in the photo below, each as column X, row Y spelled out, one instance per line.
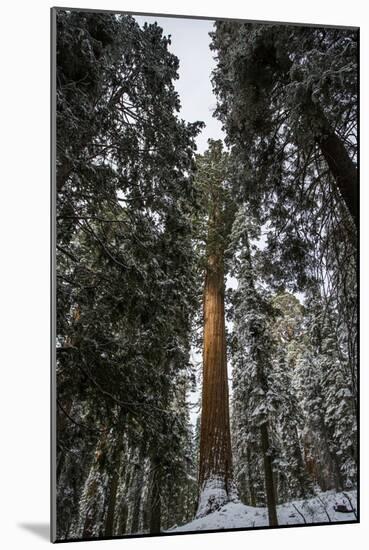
column 149, row 233
column 215, row 466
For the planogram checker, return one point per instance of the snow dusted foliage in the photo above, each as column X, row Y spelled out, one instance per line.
column 286, row 328
column 328, row 404
column 138, row 238
column 127, row 282
column 304, row 399
column 282, row 90
column 252, row 386
column 283, row 93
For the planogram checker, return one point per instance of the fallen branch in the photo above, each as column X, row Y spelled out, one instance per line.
column 324, row 508
column 300, row 513
column 350, row 501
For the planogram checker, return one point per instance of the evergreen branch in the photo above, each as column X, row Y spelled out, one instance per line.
column 79, row 424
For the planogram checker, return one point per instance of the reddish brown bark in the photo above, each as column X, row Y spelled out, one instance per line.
column 215, row 440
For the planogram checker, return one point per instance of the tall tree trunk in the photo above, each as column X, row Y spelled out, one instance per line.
column 113, row 489
column 262, row 381
column 114, row 466
column 122, row 520
column 215, row 470
column 268, row 470
column 250, row 478
column 92, row 502
column 61, row 428
column 343, row 170
column 305, row 483
column 138, row 485
column 337, row 158
column 122, row 506
column 155, row 497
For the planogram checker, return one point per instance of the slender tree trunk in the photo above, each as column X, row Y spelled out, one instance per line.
column 302, row 472
column 137, row 492
column 122, row 507
column 215, row 470
column 155, row 497
column 268, row 470
column 70, row 484
column 61, row 427
column 113, row 465
column 113, row 489
column 93, row 500
column 146, row 517
column 123, row 516
column 250, row 478
column 264, row 428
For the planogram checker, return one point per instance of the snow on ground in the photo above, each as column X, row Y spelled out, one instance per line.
column 237, row 515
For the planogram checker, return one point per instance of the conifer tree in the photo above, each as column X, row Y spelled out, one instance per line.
column 125, row 267
column 253, row 392
column 285, row 89
column 328, row 404
column 287, row 97
column 215, row 463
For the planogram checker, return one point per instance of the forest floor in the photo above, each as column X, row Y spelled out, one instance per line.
column 320, row 508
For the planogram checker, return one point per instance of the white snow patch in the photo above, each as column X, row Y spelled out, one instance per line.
column 233, row 515
column 212, row 497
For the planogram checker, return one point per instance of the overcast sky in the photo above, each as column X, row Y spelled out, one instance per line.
column 190, row 43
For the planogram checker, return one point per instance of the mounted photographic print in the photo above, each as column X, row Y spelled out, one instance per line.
column 204, row 249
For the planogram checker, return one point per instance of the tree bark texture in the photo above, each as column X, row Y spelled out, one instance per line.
column 215, row 440
column 136, row 493
column 93, row 500
column 337, row 158
column 155, row 498
column 264, row 428
column 268, row 470
column 342, row 169
column 250, row 478
column 113, row 489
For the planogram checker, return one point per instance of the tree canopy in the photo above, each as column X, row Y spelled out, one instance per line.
column 252, row 243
